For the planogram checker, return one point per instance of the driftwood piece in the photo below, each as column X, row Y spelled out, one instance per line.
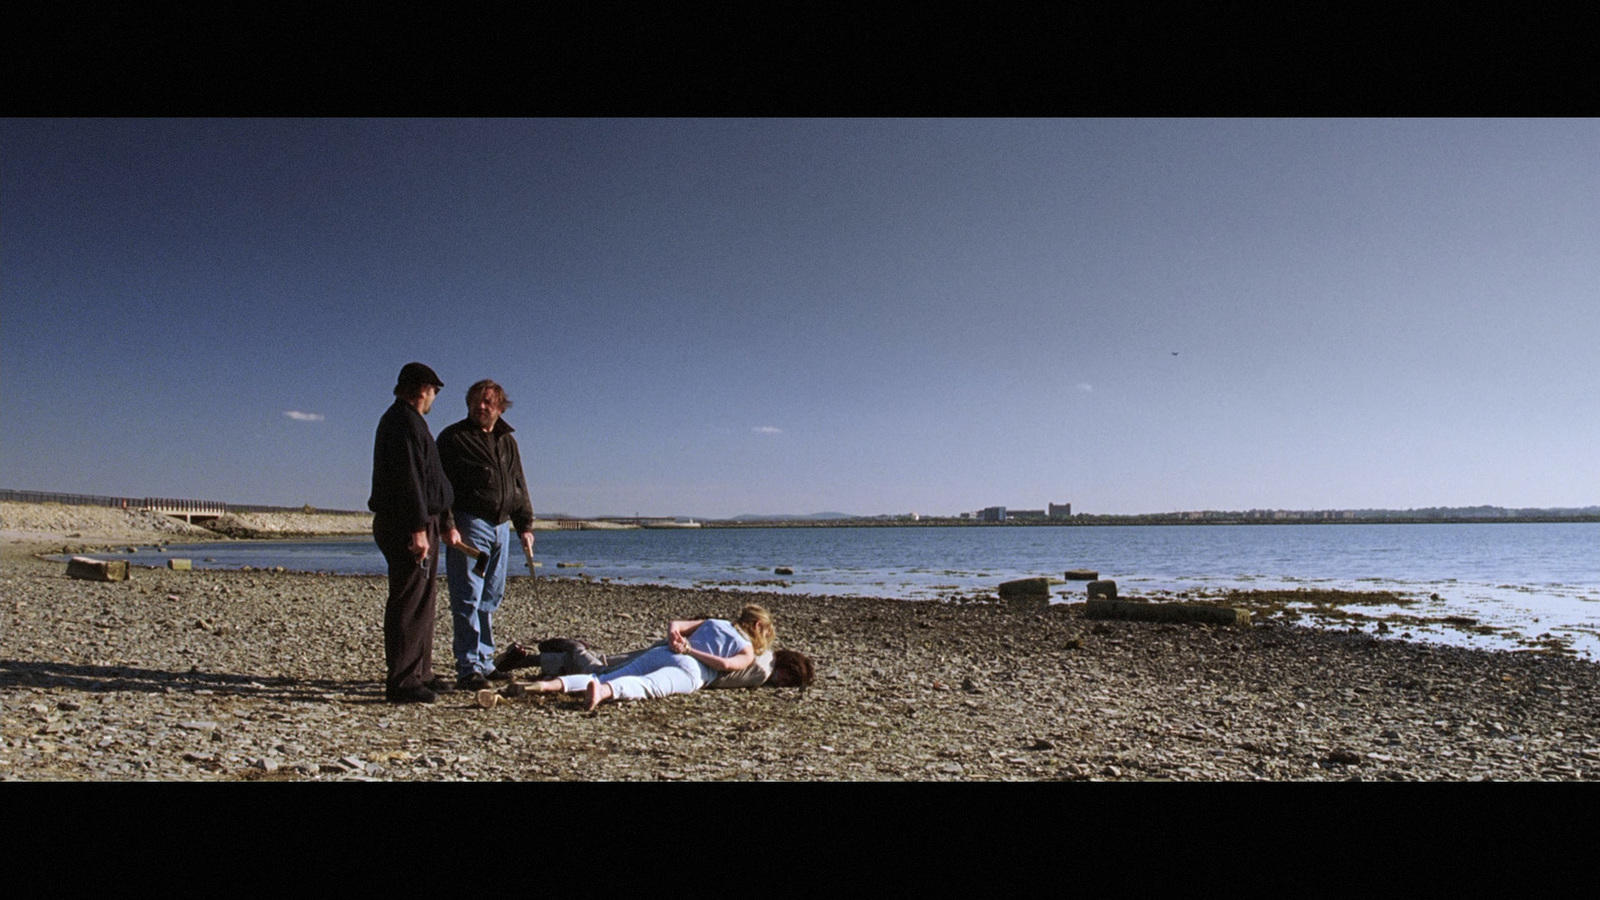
column 97, row 570
column 180, row 565
column 1082, row 575
column 1166, row 612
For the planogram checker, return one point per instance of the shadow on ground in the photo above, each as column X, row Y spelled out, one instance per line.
column 98, row 679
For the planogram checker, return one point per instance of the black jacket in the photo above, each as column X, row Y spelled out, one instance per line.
column 486, row 472
column 408, row 484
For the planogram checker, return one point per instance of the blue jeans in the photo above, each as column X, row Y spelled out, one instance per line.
column 474, row 599
column 653, row 674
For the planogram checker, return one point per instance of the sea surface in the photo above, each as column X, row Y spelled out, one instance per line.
column 1526, row 581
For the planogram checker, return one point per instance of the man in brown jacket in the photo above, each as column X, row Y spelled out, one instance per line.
column 484, row 465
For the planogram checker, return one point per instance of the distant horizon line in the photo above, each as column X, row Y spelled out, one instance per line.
column 1476, row 511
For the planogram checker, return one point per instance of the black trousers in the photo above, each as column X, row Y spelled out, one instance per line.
column 408, row 617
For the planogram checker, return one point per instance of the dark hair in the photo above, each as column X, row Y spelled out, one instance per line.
column 485, row 386
column 796, row 668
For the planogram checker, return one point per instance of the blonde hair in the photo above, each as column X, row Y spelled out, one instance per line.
column 755, row 623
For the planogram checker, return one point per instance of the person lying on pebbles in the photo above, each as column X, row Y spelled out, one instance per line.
column 696, row 653
column 556, row 657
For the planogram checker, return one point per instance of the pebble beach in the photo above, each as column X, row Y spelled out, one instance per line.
column 253, row 675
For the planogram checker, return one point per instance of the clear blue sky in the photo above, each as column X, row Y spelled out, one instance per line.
column 712, row 318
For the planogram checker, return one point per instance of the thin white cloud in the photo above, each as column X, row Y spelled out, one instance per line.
column 1085, row 387
column 766, row 429
column 299, row 416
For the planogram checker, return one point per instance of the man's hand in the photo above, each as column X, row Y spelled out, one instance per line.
column 453, row 538
column 419, row 544
column 527, row 544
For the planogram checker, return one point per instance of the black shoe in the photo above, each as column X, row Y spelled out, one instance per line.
column 473, row 682
column 439, row 685
column 499, row 674
column 418, row 694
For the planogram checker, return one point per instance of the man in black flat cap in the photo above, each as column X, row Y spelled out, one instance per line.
column 410, row 503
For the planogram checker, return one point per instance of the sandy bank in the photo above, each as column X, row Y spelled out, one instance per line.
column 56, row 526
column 257, row 525
column 235, row 675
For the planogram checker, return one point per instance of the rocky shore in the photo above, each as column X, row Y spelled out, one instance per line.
column 206, row 675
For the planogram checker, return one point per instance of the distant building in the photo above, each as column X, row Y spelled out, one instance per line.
column 1025, row 514
column 992, row 514
column 1061, row 510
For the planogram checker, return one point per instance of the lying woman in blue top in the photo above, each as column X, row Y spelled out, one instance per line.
column 697, row 650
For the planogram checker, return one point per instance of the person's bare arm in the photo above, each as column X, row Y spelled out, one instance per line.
column 722, row 663
column 684, row 627
column 678, row 641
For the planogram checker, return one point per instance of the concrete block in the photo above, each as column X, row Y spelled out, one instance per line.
column 180, row 565
column 1166, row 612
column 1025, row 589
column 97, row 570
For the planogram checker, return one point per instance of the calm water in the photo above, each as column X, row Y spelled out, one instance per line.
column 1529, row 578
